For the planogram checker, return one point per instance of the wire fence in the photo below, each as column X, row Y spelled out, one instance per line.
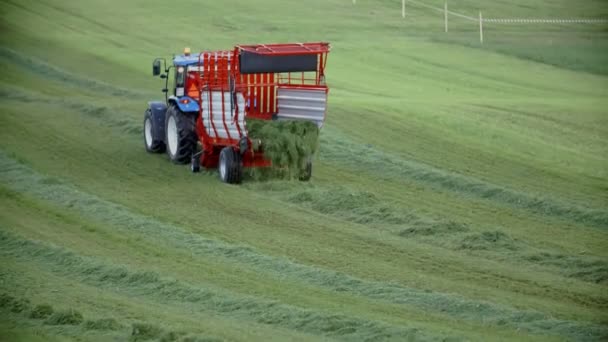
column 480, row 20
column 574, row 42
column 510, row 20
column 547, row 21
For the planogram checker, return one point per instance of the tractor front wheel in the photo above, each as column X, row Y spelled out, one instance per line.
column 152, row 145
column 231, row 166
column 180, row 135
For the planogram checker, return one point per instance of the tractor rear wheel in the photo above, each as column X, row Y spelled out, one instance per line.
column 181, row 136
column 152, row 145
column 231, row 166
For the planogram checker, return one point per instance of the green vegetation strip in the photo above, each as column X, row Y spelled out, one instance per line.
column 72, row 322
column 364, row 207
column 55, row 74
column 106, row 115
column 152, row 285
column 360, row 207
column 22, row 179
column 340, row 150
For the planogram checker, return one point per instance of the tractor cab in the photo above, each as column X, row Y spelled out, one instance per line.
column 184, row 81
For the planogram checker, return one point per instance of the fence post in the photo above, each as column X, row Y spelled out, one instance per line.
column 354, row 2
column 480, row 28
column 445, row 15
column 403, row 9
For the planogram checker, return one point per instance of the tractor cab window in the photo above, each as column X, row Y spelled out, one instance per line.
column 180, row 78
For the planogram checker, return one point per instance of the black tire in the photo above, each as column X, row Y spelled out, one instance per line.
column 230, row 166
column 306, row 172
column 180, row 135
column 152, row 145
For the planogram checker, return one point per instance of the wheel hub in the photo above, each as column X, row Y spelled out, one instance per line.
column 148, row 133
column 172, row 135
column 222, row 167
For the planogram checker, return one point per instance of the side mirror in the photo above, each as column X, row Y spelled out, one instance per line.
column 156, row 68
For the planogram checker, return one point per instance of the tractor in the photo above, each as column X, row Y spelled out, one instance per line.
column 212, row 93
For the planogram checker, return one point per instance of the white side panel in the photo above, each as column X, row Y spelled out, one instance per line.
column 302, row 104
column 219, row 112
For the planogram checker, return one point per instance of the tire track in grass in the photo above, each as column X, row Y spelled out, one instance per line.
column 20, row 178
column 151, row 285
column 338, row 149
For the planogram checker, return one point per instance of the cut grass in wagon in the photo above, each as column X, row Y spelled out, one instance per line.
column 290, row 145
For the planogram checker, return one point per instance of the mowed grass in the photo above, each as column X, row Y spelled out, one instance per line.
column 460, row 191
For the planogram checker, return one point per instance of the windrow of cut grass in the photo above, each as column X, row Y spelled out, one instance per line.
column 48, row 314
column 72, row 323
column 337, row 149
column 105, row 115
column 45, row 70
column 152, row 285
column 22, row 179
column 103, row 307
column 589, row 269
column 364, row 207
column 41, row 311
column 470, row 241
column 340, row 150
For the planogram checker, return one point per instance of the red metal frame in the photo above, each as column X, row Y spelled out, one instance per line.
column 217, row 68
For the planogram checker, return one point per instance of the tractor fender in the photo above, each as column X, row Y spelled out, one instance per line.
column 190, row 106
column 157, row 110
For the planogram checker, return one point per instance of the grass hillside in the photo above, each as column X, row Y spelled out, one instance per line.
column 460, row 191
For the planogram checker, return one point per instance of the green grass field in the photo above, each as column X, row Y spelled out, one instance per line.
column 460, row 191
